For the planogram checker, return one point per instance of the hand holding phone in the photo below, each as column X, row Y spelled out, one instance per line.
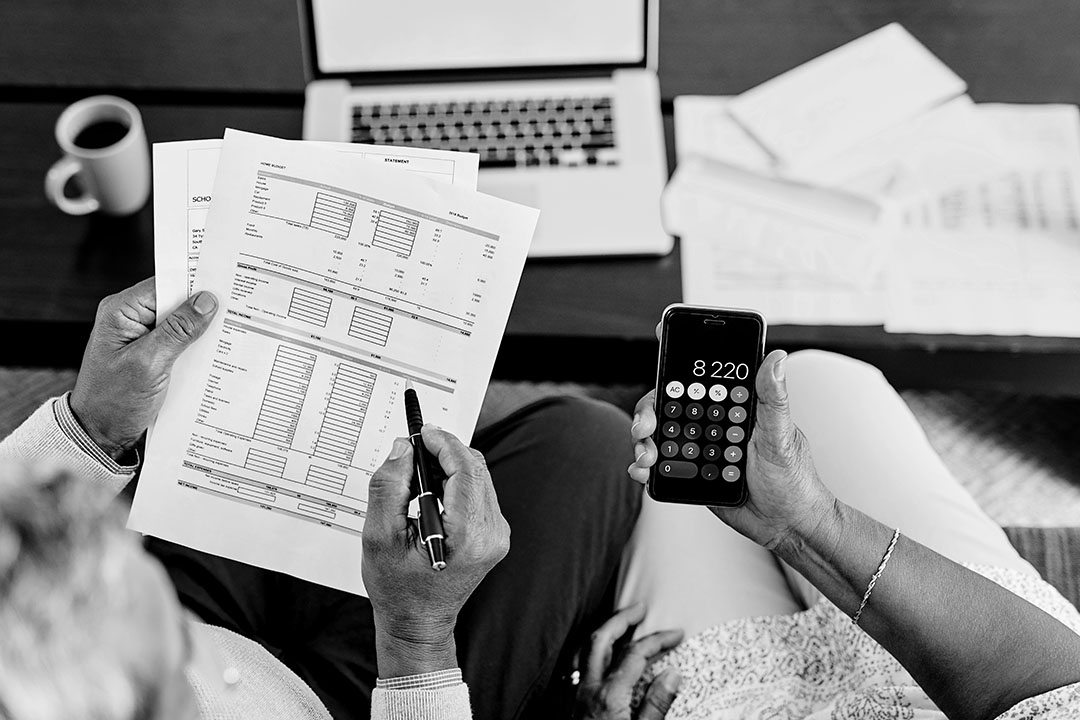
column 784, row 496
column 704, row 404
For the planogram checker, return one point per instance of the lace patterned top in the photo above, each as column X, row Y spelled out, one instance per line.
column 817, row 664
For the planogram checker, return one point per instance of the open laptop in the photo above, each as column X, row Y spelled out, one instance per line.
column 560, row 98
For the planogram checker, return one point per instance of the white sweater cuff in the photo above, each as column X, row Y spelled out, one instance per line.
column 51, row 437
column 448, row 703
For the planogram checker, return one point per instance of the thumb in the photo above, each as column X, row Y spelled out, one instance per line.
column 184, row 326
column 660, row 695
column 390, row 491
column 774, row 432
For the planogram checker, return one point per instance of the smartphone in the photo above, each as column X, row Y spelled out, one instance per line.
column 705, row 400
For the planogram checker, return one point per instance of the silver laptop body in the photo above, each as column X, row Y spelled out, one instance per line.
column 560, row 99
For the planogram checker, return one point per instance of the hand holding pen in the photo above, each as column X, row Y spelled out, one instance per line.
column 432, row 533
column 416, row 609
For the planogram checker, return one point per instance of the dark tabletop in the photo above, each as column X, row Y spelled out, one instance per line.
column 195, row 67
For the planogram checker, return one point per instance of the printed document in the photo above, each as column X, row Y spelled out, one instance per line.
column 978, row 222
column 999, row 256
column 846, row 96
column 798, row 254
column 704, row 128
column 184, row 174
column 1032, row 189
column 948, row 145
column 338, row 280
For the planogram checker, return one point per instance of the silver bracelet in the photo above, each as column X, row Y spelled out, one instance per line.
column 874, row 579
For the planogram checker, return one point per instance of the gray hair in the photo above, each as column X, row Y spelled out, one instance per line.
column 62, row 550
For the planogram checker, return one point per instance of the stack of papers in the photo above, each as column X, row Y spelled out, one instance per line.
column 866, row 188
column 341, row 272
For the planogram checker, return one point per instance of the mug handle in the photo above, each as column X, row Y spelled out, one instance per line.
column 57, row 178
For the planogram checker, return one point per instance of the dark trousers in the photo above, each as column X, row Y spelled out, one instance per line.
column 559, row 467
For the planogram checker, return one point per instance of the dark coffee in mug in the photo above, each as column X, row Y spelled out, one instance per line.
column 101, row 134
column 105, row 146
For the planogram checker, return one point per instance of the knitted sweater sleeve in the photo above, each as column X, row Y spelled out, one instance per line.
column 52, row 437
column 430, row 696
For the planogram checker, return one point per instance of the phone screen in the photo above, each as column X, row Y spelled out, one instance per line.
column 705, row 400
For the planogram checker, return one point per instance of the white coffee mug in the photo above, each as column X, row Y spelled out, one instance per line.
column 105, row 145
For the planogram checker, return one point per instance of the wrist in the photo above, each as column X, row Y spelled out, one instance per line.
column 119, row 451
column 817, row 535
column 402, row 651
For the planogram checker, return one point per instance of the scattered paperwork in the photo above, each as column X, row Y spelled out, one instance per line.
column 975, row 229
column 338, row 279
column 795, row 253
column 846, row 96
column 1000, row 256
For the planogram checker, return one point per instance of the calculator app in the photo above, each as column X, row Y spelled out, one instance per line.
column 705, row 406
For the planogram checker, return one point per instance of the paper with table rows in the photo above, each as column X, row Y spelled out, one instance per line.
column 338, row 280
column 999, row 256
column 978, row 233
column 798, row 254
column 184, row 174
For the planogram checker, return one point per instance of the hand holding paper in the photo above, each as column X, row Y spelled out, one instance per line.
column 338, row 279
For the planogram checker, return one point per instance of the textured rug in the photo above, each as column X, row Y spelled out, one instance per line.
column 1018, row 456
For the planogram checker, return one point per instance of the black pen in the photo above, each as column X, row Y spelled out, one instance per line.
column 432, row 534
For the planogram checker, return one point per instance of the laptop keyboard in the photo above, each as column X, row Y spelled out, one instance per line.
column 509, row 133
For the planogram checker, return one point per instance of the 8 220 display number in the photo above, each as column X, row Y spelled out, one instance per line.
column 721, row 369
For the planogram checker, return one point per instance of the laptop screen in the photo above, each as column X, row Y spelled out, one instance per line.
column 352, row 36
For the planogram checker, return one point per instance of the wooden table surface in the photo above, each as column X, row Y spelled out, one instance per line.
column 195, row 67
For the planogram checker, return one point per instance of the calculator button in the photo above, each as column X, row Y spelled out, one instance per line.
column 715, row 412
column 669, row 448
column 717, row 393
column 711, row 452
column 674, row 389
column 671, row 429
column 696, row 391
column 737, row 414
column 733, row 454
column 739, row 394
column 710, row 472
column 694, row 411
column 731, row 473
column 735, row 434
column 692, row 431
column 677, row 469
column 714, row 432
column 690, row 451
column 672, row 409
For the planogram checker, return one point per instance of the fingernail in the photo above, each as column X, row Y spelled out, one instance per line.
column 778, row 369
column 205, row 303
column 400, row 446
column 641, row 453
column 637, row 421
column 672, row 679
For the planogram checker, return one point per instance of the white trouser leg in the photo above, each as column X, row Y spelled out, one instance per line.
column 872, row 453
column 693, row 571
